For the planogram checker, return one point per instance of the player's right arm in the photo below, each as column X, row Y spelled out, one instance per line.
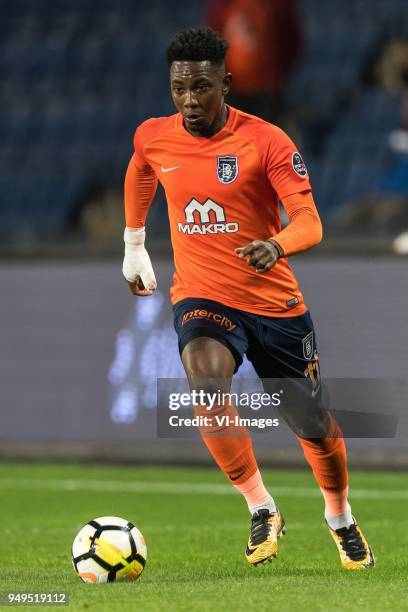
column 140, row 188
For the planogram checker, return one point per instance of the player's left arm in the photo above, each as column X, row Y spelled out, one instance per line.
column 288, row 176
column 303, row 232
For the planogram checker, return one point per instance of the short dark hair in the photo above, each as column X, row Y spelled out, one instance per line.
column 197, row 45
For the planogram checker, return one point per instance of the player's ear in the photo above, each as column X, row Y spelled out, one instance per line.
column 226, row 83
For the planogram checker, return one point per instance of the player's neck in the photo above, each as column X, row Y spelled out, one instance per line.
column 217, row 125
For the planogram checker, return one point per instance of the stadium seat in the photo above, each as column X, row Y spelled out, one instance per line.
column 79, row 75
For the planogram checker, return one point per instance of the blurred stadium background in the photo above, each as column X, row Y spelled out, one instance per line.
column 80, row 357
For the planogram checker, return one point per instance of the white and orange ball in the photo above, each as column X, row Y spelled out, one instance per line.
column 109, row 549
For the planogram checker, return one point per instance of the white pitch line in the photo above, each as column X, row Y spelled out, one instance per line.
column 176, row 528
column 110, row 486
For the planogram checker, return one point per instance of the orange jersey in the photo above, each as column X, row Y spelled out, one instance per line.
column 222, row 193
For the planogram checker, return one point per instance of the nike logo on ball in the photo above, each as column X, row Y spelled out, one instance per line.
column 163, row 169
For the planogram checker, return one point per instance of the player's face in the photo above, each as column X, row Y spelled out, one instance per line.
column 198, row 90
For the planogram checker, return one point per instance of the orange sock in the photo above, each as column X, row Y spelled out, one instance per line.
column 328, row 460
column 231, row 448
column 229, row 444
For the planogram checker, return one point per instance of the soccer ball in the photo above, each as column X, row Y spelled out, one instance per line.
column 109, row 548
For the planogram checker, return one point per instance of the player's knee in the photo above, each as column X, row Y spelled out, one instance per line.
column 211, row 386
column 316, row 428
column 309, row 421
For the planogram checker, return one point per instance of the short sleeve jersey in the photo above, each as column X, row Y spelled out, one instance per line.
column 222, row 193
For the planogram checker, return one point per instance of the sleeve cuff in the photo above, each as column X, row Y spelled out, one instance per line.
column 277, row 246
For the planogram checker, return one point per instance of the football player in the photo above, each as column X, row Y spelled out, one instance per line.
column 224, row 173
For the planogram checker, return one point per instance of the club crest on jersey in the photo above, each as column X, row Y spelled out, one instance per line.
column 299, row 165
column 227, row 168
column 308, row 346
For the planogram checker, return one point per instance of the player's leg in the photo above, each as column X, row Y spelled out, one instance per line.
column 289, row 351
column 212, row 342
column 209, row 366
column 327, row 458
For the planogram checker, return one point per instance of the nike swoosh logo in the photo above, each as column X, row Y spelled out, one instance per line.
column 163, row 169
column 249, row 551
column 236, row 476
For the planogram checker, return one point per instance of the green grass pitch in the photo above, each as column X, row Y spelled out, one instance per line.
column 196, row 529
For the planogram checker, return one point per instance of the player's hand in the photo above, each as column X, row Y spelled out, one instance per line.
column 137, row 267
column 137, row 288
column 262, row 254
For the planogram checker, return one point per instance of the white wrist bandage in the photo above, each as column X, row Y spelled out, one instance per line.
column 136, row 262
